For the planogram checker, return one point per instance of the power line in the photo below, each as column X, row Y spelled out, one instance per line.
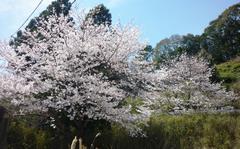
column 32, row 14
column 28, row 17
column 73, row 1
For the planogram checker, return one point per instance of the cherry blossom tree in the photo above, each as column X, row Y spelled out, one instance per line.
column 186, row 86
column 76, row 67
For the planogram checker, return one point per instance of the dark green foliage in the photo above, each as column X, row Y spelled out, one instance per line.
column 30, row 132
column 222, row 36
column 188, row 132
column 22, row 135
column 221, row 131
column 100, row 15
column 190, row 44
column 57, row 7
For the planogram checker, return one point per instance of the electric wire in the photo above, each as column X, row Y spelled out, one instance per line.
column 31, row 15
column 28, row 18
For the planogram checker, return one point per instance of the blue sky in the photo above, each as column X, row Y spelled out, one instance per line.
column 156, row 19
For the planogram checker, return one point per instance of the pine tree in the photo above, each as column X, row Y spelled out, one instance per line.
column 100, row 15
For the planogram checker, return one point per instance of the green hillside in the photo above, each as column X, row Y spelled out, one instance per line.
column 229, row 72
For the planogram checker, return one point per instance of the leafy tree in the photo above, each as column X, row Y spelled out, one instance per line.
column 222, row 36
column 191, row 45
column 176, row 45
column 100, row 15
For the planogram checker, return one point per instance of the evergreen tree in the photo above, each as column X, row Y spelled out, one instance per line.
column 100, row 15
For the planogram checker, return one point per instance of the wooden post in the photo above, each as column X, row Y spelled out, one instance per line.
column 74, row 143
column 81, row 146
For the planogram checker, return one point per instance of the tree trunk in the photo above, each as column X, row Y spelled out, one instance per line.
column 3, row 128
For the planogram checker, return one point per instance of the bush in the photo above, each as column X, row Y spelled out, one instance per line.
column 185, row 131
column 21, row 136
column 221, row 131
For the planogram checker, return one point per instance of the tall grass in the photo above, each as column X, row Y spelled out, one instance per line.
column 195, row 131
